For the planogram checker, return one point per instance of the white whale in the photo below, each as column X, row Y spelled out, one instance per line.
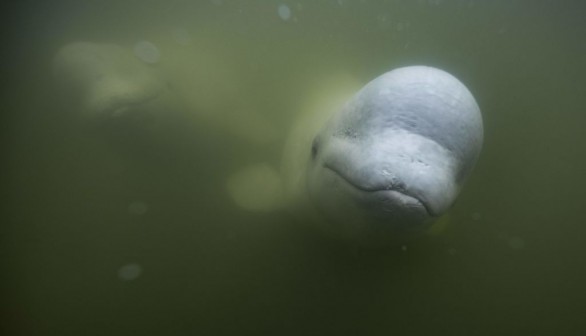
column 382, row 168
column 155, row 86
column 107, row 80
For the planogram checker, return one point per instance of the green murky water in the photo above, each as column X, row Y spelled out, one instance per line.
column 126, row 234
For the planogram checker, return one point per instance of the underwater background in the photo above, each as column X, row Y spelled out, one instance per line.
column 123, row 233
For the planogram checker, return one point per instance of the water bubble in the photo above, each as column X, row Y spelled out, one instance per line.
column 181, row 36
column 284, row 12
column 400, row 26
column 516, row 243
column 147, row 52
column 137, row 208
column 129, row 272
column 383, row 21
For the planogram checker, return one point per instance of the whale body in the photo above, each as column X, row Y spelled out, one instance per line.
column 138, row 89
column 395, row 157
column 108, row 84
column 388, row 163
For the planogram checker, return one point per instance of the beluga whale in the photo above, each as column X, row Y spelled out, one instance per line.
column 381, row 168
column 107, row 82
column 156, row 87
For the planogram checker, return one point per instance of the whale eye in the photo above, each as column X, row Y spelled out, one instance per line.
column 314, row 148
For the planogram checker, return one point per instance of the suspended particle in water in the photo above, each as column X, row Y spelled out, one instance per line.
column 284, row 12
column 383, row 21
column 181, row 36
column 129, row 272
column 476, row 216
column 147, row 52
column 137, row 208
column 218, row 2
column 516, row 243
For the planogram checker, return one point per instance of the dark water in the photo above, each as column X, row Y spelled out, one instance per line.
column 124, row 234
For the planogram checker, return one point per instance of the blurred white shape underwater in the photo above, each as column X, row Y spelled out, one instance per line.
column 129, row 272
column 147, row 52
column 284, row 12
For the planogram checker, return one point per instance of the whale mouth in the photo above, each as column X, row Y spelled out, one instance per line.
column 121, row 106
column 397, row 189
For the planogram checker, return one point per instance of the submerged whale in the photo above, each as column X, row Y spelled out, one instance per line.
column 157, row 86
column 380, row 169
column 108, row 81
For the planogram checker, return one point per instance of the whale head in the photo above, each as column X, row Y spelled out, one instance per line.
column 395, row 157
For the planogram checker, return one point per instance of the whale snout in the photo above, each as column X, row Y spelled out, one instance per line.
column 355, row 209
column 389, row 189
column 403, row 173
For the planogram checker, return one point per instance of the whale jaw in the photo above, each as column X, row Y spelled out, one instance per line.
column 386, row 186
column 391, row 192
column 392, row 207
